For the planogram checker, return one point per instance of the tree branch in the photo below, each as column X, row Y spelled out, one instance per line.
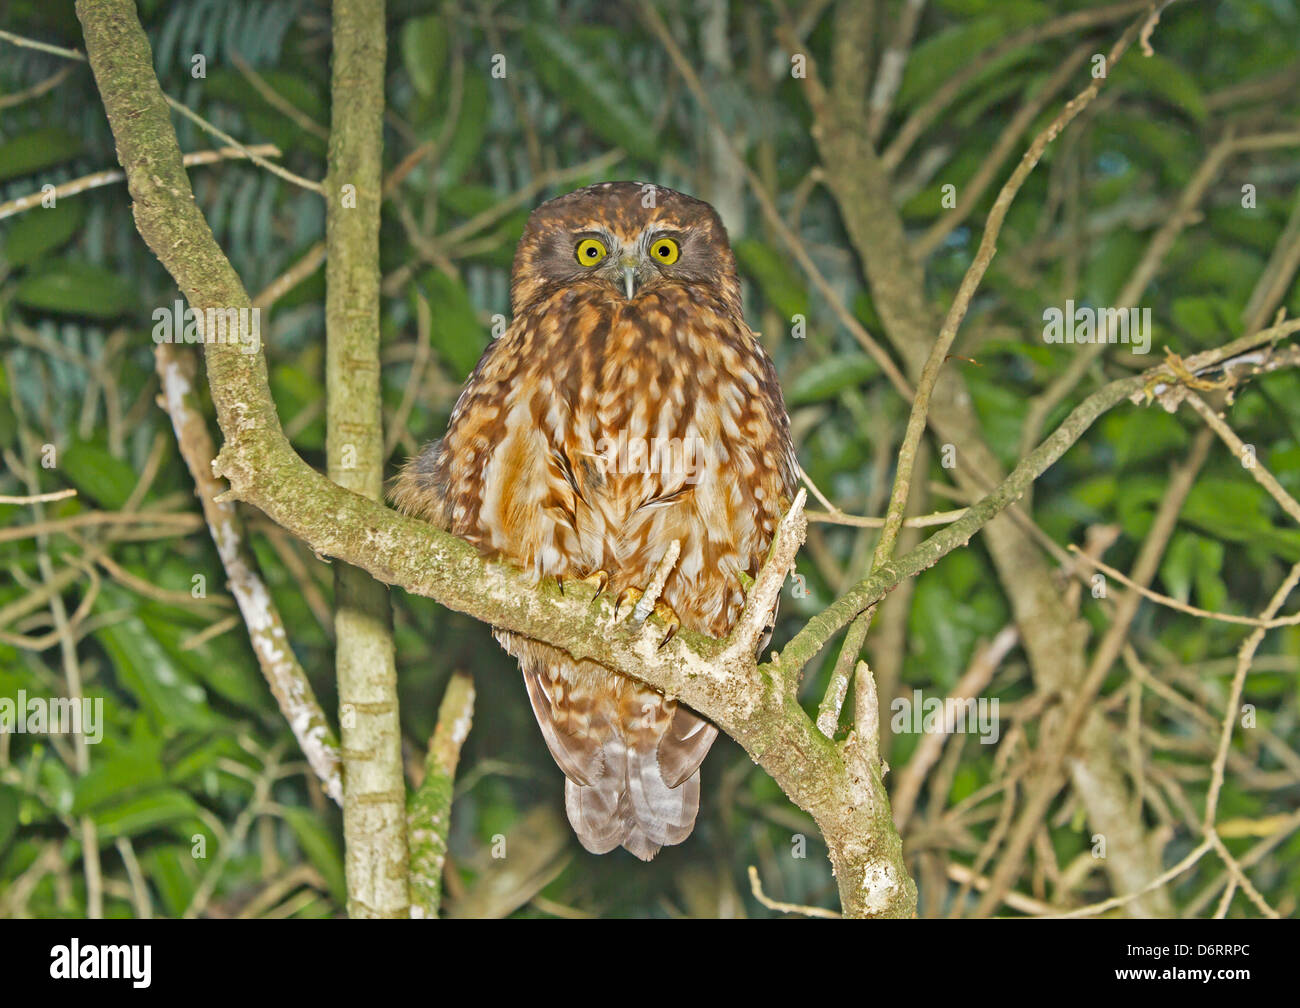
column 429, row 810
column 374, row 789
column 266, row 631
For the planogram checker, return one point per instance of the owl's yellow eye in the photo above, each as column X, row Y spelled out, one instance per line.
column 665, row 250
column 590, row 251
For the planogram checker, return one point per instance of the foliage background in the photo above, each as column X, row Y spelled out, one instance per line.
column 194, row 744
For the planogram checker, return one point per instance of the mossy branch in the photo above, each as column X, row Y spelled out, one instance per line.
column 429, row 809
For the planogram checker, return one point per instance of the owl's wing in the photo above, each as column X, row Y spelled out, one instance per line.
column 566, row 725
column 420, row 489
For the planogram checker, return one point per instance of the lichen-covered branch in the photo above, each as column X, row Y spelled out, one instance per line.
column 289, row 684
column 374, row 790
column 429, row 809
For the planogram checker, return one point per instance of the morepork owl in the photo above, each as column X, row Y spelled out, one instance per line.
column 628, row 405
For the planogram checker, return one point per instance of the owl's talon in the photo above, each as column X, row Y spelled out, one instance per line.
column 598, row 580
column 666, row 613
column 627, row 595
column 662, row 610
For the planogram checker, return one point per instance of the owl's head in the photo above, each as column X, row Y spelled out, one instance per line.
column 624, row 238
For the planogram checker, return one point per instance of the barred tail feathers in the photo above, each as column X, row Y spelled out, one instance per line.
column 631, row 757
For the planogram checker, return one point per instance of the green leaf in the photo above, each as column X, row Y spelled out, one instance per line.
column 38, row 149
column 1211, row 592
column 937, row 57
column 829, row 377
column 775, row 276
column 103, row 478
column 1284, row 463
column 8, row 814
column 222, row 664
column 121, row 767
column 203, row 759
column 1111, row 266
column 1239, row 511
column 1165, row 78
column 1178, row 568
column 1141, row 435
column 1095, row 493
column 1001, row 408
column 424, row 52
column 161, row 688
column 76, row 288
column 296, row 89
column 171, row 870
column 297, row 387
column 1206, row 318
column 582, row 77
column 950, row 613
column 469, row 200
column 41, row 229
column 456, row 333
column 265, row 121
column 110, row 779
column 145, row 812
column 471, row 128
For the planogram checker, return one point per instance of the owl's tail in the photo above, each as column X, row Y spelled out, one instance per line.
column 631, row 757
column 636, row 802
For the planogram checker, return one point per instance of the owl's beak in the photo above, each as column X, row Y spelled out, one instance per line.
column 629, row 281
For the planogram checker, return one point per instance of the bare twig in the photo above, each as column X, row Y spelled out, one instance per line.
column 756, row 887
column 103, row 178
column 1173, row 603
column 40, row 498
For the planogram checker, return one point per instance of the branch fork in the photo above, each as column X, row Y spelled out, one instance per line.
column 760, row 603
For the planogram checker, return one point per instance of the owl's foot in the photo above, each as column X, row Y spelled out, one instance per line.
column 598, row 580
column 633, row 598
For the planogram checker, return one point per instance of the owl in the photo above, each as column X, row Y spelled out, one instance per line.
column 627, row 405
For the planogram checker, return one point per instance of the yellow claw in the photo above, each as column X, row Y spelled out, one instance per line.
column 598, row 580
column 665, row 613
column 627, row 595
column 668, row 615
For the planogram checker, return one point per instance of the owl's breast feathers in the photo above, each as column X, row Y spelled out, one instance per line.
column 592, row 434
column 595, row 431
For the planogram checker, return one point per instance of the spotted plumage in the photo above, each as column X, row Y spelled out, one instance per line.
column 627, row 405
